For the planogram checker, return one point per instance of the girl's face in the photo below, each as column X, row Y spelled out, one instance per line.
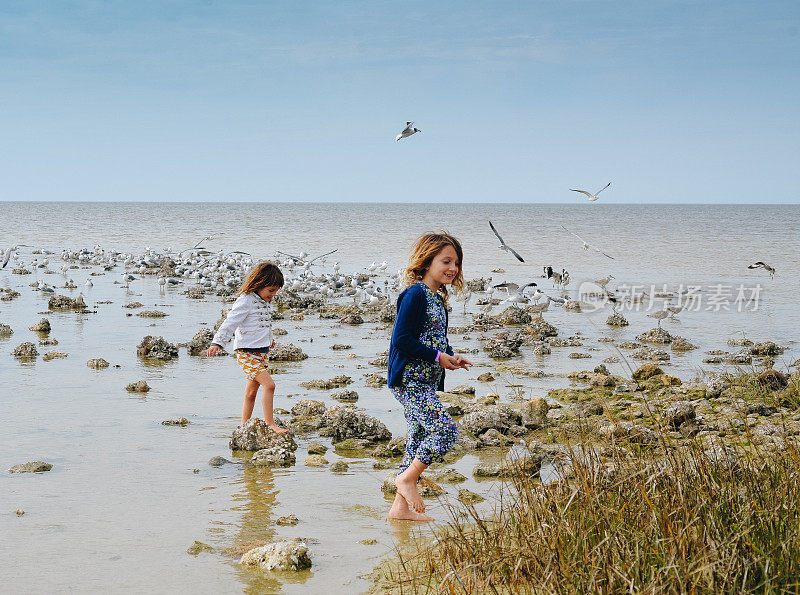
column 268, row 292
column 444, row 268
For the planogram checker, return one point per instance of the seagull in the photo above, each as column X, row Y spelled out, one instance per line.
column 757, row 265
column 407, row 131
column 586, row 245
column 6, row 257
column 592, row 197
column 504, row 246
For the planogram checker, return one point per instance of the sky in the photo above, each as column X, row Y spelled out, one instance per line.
column 673, row 102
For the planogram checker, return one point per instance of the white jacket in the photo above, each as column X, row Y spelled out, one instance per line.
column 249, row 323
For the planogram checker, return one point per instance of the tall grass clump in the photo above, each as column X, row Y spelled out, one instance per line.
column 676, row 518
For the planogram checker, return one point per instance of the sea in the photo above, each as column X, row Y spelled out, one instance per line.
column 127, row 496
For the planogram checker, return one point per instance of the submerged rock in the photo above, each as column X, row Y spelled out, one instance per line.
column 286, row 353
column 651, row 353
column 345, row 396
column 766, row 348
column 198, row 547
column 156, row 348
column 339, row 467
column 140, row 386
column 32, row 467
column 656, row 335
column 97, row 363
column 681, row 344
column 200, row 342
column 25, row 350
column 5, row 330
column 62, row 302
column 317, row 448
column 280, row 555
column 468, row 498
column 287, row 521
column 43, row 326
column 335, row 382
column 217, row 461
column 54, row 355
column 152, row 314
column 181, row 421
column 315, row 461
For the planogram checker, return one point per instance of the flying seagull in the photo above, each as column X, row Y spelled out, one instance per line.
column 586, row 245
column 407, row 131
column 504, row 246
column 591, row 197
column 6, row 257
column 766, row 267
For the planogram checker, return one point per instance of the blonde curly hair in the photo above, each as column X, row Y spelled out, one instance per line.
column 424, row 250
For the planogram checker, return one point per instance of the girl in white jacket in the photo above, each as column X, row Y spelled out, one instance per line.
column 249, row 323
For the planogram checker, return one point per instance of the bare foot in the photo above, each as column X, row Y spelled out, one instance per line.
column 401, row 511
column 277, row 429
column 408, row 490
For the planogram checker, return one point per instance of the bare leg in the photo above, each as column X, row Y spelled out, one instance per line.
column 406, row 484
column 250, row 392
column 265, row 380
column 400, row 510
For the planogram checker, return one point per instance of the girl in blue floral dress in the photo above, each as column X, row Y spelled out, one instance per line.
column 419, row 353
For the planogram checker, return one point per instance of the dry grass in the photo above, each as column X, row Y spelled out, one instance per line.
column 673, row 518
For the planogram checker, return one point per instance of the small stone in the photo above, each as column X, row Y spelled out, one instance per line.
column 317, row 448
column 352, row 319
column 579, row 355
column 32, row 467
column 198, row 547
column 486, row 377
column 133, row 305
column 335, row 382
column 43, row 326
column 376, row 381
column 280, row 555
column 54, row 355
column 647, row 371
column 287, row 521
column 340, row 347
column 151, row 314
column 217, row 461
column 19, row 512
column 315, row 461
column 681, row 344
column 97, row 363
column 679, row 412
column 181, row 421
column 5, row 330
column 448, row 476
column 138, row 387
column 469, row 498
column 368, row 542
column 25, row 350
column 49, row 341
column 617, row 319
column 345, row 396
column 156, row 348
column 339, row 467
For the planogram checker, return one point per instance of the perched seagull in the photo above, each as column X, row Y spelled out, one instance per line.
column 757, row 265
column 592, row 197
column 503, row 246
column 407, row 131
column 586, row 245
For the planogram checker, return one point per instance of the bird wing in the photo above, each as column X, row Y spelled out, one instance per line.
column 497, row 234
column 603, row 253
column 321, row 255
column 573, row 233
column 295, row 258
column 603, row 188
column 6, row 258
column 514, row 252
column 581, row 191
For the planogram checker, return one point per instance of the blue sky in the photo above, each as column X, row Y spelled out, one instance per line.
column 300, row 101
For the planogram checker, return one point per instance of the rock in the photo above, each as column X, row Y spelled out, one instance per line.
column 647, row 371
column 133, row 305
column 681, row 344
column 376, row 381
column 181, row 421
column 397, row 446
column 19, row 512
column 773, row 380
column 49, row 341
column 200, row 342
column 335, row 382
column 715, row 359
column 280, row 555
column 97, row 363
column 625, row 387
column 317, row 448
column 541, row 349
column 529, row 464
column 5, row 330
column 32, row 467
column 462, row 389
column 588, row 408
column 534, row 413
column 25, row 350
column 492, row 437
column 741, row 358
column 54, row 355
column 656, row 335
column 513, row 315
column 743, row 342
column 151, row 314
column 198, row 547
column 572, row 306
column 287, row 521
column 387, row 313
column 382, row 361
column 217, row 461
column 353, row 444
column 469, row 498
column 62, row 302
column 352, row 319
column 20, row 272
column 43, row 326
column 315, row 461
column 453, row 403
column 345, row 396
column 579, row 355
column 541, row 329
column 448, row 476
column 715, row 384
column 195, row 293
column 286, row 353
column 486, row 377
column 308, row 408
column 499, row 417
column 273, row 449
column 630, row 345
column 339, row 467
column 346, row 421
column 340, row 347
column 156, row 348
column 617, row 319
column 503, row 346
column 479, row 284
column 138, row 387
column 601, row 369
column 630, row 431
column 678, row 412
column 651, row 353
column 766, row 348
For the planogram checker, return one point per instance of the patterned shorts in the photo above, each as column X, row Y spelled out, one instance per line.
column 252, row 363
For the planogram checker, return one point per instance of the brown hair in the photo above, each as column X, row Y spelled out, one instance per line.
column 424, row 251
column 265, row 274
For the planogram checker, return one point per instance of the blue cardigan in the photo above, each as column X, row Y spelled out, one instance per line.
column 412, row 310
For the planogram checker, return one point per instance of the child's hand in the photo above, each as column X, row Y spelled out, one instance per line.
column 463, row 362
column 213, row 350
column 448, row 362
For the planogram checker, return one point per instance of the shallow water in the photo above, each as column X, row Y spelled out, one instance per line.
column 123, row 503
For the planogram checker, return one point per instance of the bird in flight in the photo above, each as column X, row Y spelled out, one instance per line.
column 586, row 245
column 589, row 195
column 765, row 266
column 504, row 246
column 407, row 131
